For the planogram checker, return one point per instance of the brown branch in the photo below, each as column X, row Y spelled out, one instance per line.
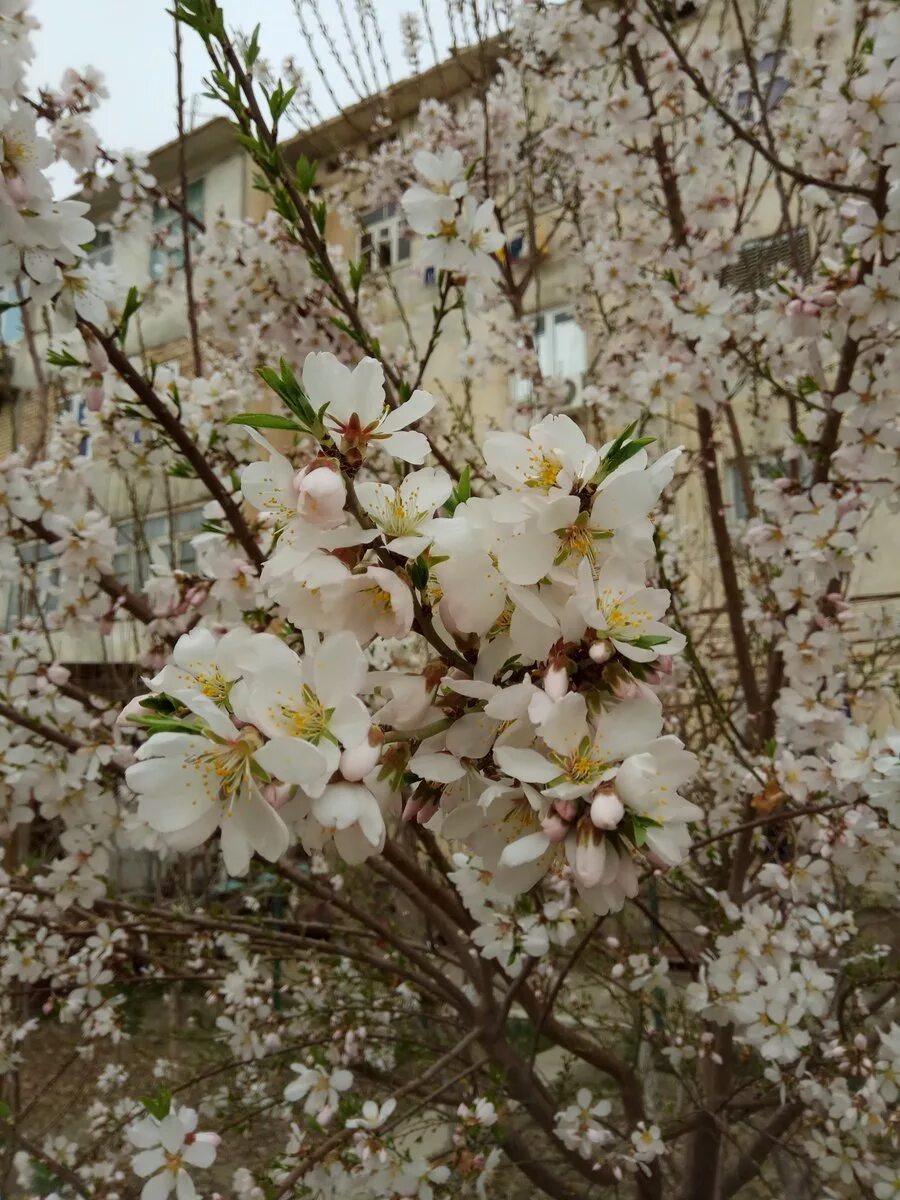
column 186, row 249
column 760, row 1149
column 170, row 425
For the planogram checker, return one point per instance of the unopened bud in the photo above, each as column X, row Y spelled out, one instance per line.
column 607, row 810
column 58, row 674
column 93, row 397
column 360, row 760
column 276, row 795
column 321, row 496
column 555, row 828
column 600, row 652
column 96, row 355
column 556, row 682
column 567, row 809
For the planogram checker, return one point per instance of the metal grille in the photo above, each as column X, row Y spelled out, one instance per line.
column 763, row 260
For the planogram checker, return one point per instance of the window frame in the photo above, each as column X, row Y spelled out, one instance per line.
column 546, row 322
column 164, row 221
column 385, row 227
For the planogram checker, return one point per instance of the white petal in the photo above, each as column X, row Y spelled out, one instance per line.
column 292, row 760
column 524, row 850
column 148, row 1161
column 438, row 768
column 408, row 446
column 526, row 765
column 417, row 406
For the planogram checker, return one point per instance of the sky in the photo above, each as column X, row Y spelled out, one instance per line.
column 131, row 42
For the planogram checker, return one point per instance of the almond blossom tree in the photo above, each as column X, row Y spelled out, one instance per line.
column 523, row 819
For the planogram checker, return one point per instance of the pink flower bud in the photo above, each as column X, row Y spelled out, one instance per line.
column 600, row 652
column 556, row 682
column 276, row 794
column 625, row 688
column 555, row 828
column 664, row 664
column 93, row 398
column 607, row 810
column 321, row 496
column 58, row 674
column 653, row 678
column 357, row 763
column 794, row 307
column 426, row 812
column 567, row 809
column 17, row 190
column 96, row 355
column 411, row 809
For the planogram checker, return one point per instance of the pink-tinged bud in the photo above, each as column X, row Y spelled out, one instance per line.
column 794, row 307
column 653, row 678
column 357, row 763
column 277, row 794
column 555, row 828
column 134, row 708
column 58, row 674
column 607, row 810
column 827, row 299
column 567, row 809
column 600, row 652
column 93, row 398
column 665, row 664
column 321, row 496
column 426, row 812
column 195, row 596
column 556, row 682
column 96, row 355
column 625, row 688
column 590, row 854
column 17, row 190
column 411, row 809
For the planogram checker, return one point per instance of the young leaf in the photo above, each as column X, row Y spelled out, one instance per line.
column 265, row 421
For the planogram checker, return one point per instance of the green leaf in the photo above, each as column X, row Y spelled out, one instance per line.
column 418, row 573
column 286, row 385
column 357, row 274
column 159, row 1104
column 165, row 725
column 251, row 54
column 461, row 492
column 132, row 304
column 647, row 641
column 62, row 358
column 265, row 421
column 305, row 171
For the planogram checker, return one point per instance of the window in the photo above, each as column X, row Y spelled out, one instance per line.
column 37, row 587
column 100, row 251
column 561, row 348
column 763, row 260
column 137, row 542
column 167, row 250
column 385, row 241
column 11, row 327
column 767, row 466
column 78, row 408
